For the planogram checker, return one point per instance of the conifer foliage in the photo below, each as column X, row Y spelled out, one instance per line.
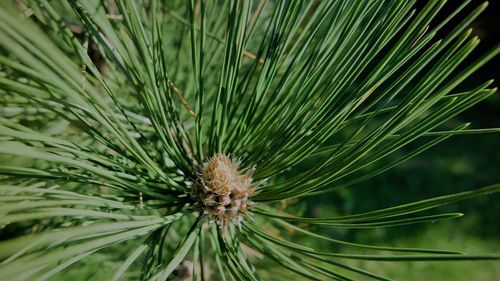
column 167, row 136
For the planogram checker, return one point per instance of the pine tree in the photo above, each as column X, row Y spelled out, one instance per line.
column 164, row 137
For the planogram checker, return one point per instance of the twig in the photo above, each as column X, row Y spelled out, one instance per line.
column 178, row 94
column 252, row 56
column 365, row 96
column 84, row 75
column 114, row 17
column 211, row 35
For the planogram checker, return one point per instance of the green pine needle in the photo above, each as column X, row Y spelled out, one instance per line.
column 158, row 135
